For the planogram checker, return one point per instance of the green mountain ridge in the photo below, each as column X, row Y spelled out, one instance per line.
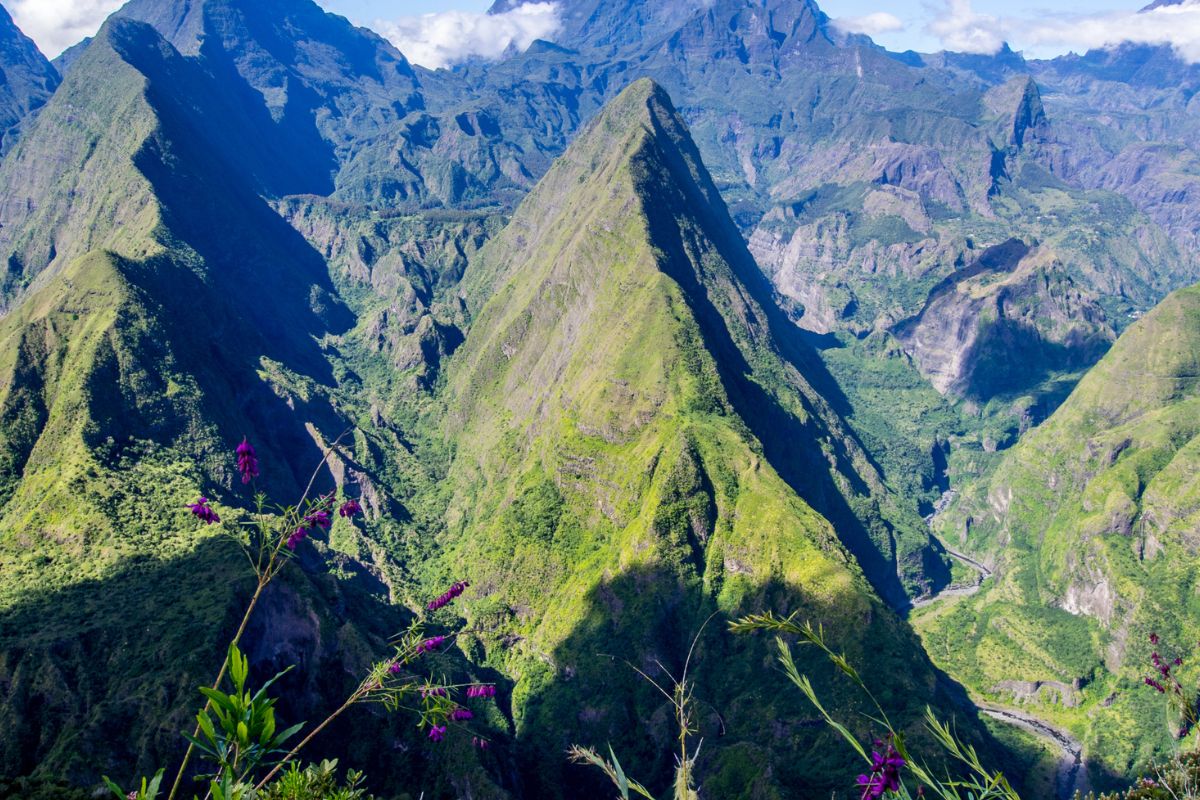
column 611, row 486
column 1089, row 523
column 538, row 318
column 118, row 361
column 129, row 370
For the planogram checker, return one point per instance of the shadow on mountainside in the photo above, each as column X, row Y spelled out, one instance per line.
column 761, row 737
column 240, row 288
column 100, row 677
column 792, row 445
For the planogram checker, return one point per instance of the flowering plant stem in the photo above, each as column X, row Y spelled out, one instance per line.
column 237, row 638
column 354, row 698
column 266, row 572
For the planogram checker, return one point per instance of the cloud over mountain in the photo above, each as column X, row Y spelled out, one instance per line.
column 57, row 24
column 871, row 24
column 445, row 38
column 958, row 27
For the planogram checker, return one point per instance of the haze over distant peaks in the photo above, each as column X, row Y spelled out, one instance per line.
column 27, row 79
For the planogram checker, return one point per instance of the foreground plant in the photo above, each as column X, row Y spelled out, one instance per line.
column 1177, row 777
column 1183, row 701
column 681, row 699
column 236, row 732
column 890, row 759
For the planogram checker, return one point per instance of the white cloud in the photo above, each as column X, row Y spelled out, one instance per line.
column 1175, row 25
column 959, row 28
column 871, row 24
column 57, row 24
column 445, row 38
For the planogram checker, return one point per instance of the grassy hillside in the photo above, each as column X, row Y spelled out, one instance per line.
column 635, row 451
column 1090, row 522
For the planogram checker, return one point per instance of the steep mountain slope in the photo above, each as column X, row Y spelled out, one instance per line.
column 639, row 443
column 345, row 107
column 1090, row 524
column 26, row 79
column 139, row 355
column 131, row 330
column 866, row 183
column 1131, row 122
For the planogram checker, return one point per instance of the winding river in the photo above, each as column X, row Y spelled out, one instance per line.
column 1071, row 775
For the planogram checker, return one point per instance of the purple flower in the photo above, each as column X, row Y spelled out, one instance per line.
column 461, row 715
column 437, row 733
column 482, row 744
column 350, row 508
column 482, row 690
column 885, row 774
column 448, row 598
column 318, row 519
column 247, row 460
column 203, row 512
column 296, row 537
column 434, row 691
column 1154, row 638
column 395, row 669
column 429, row 645
column 1155, row 684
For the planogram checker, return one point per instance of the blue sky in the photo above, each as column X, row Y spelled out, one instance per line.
column 439, row 32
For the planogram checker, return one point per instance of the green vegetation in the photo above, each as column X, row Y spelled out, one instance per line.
column 593, row 406
column 1089, row 520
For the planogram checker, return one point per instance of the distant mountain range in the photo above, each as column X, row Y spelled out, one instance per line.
column 700, row 309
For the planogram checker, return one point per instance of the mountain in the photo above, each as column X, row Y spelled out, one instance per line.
column 866, row 183
column 623, row 364
column 1089, row 523
column 945, row 215
column 1130, row 122
column 125, row 345
column 130, row 326
column 26, row 79
column 640, row 443
column 631, row 26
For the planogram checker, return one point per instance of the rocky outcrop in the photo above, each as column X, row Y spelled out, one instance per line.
column 404, row 262
column 1038, row 692
column 1008, row 320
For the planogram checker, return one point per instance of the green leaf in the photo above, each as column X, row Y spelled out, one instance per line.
column 287, row 734
column 204, row 747
column 268, row 684
column 622, row 781
column 112, row 787
column 206, row 726
column 268, row 728
column 220, row 700
column 239, row 667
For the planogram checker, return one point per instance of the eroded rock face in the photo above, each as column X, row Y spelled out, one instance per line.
column 1013, row 316
column 1038, row 692
column 405, row 263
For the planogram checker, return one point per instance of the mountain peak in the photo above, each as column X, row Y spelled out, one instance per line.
column 643, row 112
column 620, row 24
